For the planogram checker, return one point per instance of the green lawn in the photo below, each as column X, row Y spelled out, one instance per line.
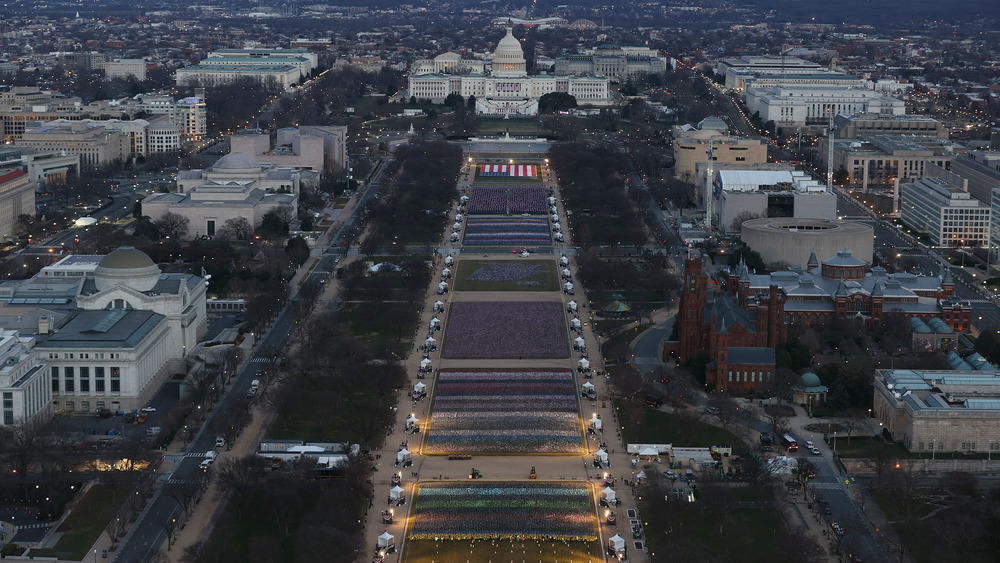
column 544, row 280
column 658, row 427
column 860, row 446
column 84, row 524
column 382, row 324
column 494, row 127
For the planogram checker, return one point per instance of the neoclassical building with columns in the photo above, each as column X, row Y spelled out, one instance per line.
column 507, row 89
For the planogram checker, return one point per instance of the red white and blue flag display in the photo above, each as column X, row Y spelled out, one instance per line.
column 508, row 171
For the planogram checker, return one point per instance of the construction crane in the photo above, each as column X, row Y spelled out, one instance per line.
column 830, row 136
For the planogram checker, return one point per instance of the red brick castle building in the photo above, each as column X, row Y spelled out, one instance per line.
column 740, row 317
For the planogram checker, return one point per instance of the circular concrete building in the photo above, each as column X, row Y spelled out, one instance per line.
column 792, row 240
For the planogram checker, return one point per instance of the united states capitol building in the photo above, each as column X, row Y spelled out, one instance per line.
column 505, row 89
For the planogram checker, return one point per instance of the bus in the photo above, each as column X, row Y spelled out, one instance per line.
column 789, row 443
column 765, row 441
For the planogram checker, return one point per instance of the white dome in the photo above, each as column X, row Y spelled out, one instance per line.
column 129, row 267
column 237, row 162
column 508, row 59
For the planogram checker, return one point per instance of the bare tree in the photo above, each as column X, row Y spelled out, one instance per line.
column 184, row 492
column 172, row 225
column 237, row 228
column 778, row 418
column 171, row 526
column 237, row 476
column 725, row 408
column 851, row 425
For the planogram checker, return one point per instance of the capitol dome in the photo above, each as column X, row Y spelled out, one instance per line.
column 508, row 59
column 129, row 267
column 237, row 163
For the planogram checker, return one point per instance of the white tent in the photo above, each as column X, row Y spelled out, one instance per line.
column 579, row 342
column 601, row 455
column 386, row 540
column 588, row 386
column 525, row 254
column 458, row 218
column 556, row 227
column 584, row 363
column 439, row 306
column 403, row 455
column 435, row 321
column 559, row 237
column 419, row 388
column 566, row 273
column 446, row 272
column 448, row 260
column 563, row 260
column 598, row 424
column 571, row 306
column 568, row 287
column 396, row 492
column 555, row 218
column 608, row 494
column 616, row 543
column 412, row 421
column 454, row 237
column 430, row 341
column 552, row 200
column 575, row 323
column 425, row 363
column 463, row 199
column 648, row 451
column 641, row 475
column 443, row 286
column 456, row 227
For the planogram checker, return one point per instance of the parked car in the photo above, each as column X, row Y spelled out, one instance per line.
column 809, row 444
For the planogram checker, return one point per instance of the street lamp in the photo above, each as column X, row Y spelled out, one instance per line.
column 933, row 446
column 989, row 452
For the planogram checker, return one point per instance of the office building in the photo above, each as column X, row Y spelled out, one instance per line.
column 307, row 147
column 17, row 197
column 612, row 61
column 126, row 68
column 691, row 146
column 802, row 106
column 888, row 159
column 947, row 213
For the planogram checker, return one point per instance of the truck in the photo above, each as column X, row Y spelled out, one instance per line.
column 766, row 443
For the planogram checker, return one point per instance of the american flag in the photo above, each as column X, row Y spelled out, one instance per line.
column 508, row 170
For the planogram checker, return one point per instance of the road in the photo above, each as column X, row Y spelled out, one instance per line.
column 147, row 534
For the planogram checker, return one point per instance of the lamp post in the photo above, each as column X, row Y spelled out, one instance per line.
column 933, row 446
column 989, row 452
